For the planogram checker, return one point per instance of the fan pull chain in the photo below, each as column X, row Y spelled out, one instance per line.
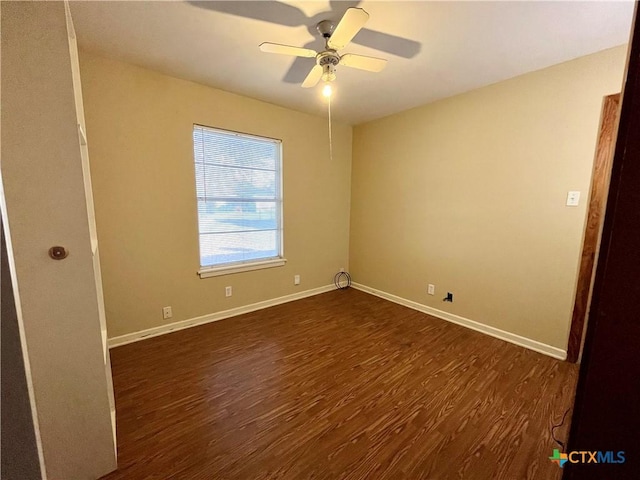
column 330, row 140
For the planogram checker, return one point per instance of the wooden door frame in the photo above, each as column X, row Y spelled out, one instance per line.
column 595, row 213
column 605, row 415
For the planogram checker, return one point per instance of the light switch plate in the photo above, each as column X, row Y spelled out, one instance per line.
column 573, row 198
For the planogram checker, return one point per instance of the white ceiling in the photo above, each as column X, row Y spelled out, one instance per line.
column 463, row 45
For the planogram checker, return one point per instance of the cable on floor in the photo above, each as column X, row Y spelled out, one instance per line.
column 553, row 428
column 342, row 280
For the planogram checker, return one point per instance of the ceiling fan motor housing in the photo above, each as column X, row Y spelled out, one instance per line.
column 329, row 57
column 328, row 61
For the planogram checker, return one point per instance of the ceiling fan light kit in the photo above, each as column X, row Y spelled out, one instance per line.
column 335, row 39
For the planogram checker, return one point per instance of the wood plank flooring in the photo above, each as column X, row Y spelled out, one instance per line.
column 343, row 385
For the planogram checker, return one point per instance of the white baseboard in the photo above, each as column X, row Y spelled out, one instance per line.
column 465, row 322
column 213, row 317
column 450, row 317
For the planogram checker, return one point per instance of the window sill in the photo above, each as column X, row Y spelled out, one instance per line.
column 245, row 267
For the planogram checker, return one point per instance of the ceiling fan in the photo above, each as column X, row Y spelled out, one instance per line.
column 336, row 38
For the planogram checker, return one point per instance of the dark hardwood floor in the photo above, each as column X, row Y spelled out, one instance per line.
column 342, row 385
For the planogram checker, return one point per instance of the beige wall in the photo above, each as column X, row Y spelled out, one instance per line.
column 139, row 128
column 469, row 194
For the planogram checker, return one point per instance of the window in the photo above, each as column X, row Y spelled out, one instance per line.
column 238, row 185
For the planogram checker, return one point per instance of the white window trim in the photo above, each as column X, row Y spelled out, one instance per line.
column 228, row 269
column 207, row 272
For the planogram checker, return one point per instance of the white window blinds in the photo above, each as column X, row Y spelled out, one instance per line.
column 238, row 185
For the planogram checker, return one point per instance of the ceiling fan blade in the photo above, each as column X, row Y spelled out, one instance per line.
column 313, row 78
column 350, row 24
column 370, row 64
column 287, row 50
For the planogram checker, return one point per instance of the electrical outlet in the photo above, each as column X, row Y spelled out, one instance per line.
column 167, row 312
column 296, row 279
column 228, row 291
column 431, row 289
